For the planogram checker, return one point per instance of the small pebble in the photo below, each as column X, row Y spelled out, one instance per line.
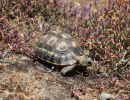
column 24, row 58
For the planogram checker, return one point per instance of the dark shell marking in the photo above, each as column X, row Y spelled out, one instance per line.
column 58, row 49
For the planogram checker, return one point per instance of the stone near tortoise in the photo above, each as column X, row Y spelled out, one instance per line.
column 61, row 49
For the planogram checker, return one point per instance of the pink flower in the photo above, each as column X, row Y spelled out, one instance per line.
column 128, row 15
column 85, row 11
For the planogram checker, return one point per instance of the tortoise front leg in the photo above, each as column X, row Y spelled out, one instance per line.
column 51, row 69
column 67, row 69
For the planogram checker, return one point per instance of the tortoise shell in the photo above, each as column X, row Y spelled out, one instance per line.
column 58, row 48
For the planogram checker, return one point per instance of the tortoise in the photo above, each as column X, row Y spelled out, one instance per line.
column 60, row 49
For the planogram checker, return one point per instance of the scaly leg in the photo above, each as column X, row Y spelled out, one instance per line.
column 67, row 69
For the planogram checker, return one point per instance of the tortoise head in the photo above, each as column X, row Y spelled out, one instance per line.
column 84, row 60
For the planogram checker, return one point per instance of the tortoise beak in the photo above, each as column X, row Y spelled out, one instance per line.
column 89, row 61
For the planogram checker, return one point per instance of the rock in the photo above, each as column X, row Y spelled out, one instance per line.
column 105, row 96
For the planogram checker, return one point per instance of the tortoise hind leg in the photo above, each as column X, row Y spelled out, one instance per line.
column 67, row 69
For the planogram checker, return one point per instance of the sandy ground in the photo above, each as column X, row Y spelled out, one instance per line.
column 23, row 79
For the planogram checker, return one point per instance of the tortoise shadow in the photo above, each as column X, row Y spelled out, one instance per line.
column 44, row 63
column 78, row 70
